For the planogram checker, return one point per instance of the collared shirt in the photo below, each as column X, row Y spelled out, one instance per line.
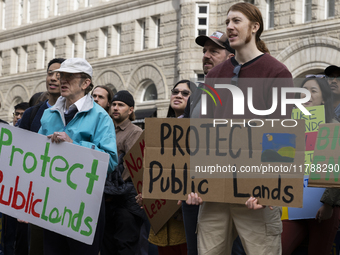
column 77, row 105
column 126, row 136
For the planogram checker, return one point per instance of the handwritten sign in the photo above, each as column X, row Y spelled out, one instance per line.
column 311, row 196
column 56, row 186
column 325, row 169
column 158, row 211
column 225, row 163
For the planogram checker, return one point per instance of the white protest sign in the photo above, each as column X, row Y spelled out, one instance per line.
column 56, row 186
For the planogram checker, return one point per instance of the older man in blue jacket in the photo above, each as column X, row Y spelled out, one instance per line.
column 75, row 118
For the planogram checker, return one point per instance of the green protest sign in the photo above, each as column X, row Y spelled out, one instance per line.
column 56, row 186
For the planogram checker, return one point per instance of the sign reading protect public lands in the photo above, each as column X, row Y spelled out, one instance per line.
column 225, row 162
column 56, row 186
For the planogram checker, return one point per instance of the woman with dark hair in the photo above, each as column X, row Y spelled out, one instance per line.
column 179, row 97
column 171, row 238
column 321, row 94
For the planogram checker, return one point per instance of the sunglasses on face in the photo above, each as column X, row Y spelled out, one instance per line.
column 315, row 76
column 184, row 93
column 329, row 78
column 236, row 72
column 18, row 114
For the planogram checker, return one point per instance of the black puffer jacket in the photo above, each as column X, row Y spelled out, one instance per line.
column 122, row 193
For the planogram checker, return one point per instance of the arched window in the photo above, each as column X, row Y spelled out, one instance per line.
column 150, row 93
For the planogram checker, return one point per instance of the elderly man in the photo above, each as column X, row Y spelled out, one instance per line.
column 64, row 122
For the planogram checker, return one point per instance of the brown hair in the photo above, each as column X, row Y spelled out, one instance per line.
column 108, row 90
column 254, row 15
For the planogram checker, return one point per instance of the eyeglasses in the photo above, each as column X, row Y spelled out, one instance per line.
column 69, row 76
column 184, row 93
column 315, row 76
column 236, row 71
column 18, row 114
column 332, row 78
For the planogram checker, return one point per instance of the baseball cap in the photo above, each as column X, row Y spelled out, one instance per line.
column 75, row 65
column 217, row 37
column 331, row 69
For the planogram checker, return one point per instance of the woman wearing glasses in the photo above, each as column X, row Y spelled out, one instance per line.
column 179, row 98
column 171, row 238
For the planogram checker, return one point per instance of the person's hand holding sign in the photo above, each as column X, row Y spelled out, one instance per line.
column 252, row 204
column 58, row 137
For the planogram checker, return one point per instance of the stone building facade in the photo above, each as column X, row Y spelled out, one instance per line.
column 146, row 46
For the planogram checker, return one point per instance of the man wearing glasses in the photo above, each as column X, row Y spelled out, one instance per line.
column 333, row 77
column 64, row 122
column 19, row 110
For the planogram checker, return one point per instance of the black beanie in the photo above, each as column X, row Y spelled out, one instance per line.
column 125, row 97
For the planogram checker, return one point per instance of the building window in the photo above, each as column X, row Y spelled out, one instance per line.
column 270, row 17
column 83, row 44
column 41, row 54
column 76, row 5
column 202, row 19
column 3, row 12
column 14, row 60
column 142, row 34
column 70, row 46
column 28, row 11
column 56, row 7
column 308, row 10
column 23, row 59
column 47, row 8
column 199, row 77
column 115, row 39
column 21, row 12
column 103, row 42
column 154, row 32
column 150, row 93
column 158, row 32
column 250, row 1
column 50, row 50
column 0, row 63
column 330, row 7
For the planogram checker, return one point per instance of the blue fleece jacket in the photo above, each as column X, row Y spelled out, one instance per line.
column 91, row 127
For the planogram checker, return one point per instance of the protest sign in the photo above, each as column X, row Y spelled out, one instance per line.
column 225, row 162
column 160, row 210
column 311, row 196
column 324, row 170
column 56, row 186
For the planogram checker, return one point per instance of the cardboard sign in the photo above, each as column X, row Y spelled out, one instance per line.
column 158, row 211
column 311, row 196
column 225, row 163
column 325, row 168
column 55, row 186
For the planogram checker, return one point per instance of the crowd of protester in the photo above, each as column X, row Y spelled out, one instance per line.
column 71, row 99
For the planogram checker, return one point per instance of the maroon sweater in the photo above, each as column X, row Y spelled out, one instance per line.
column 262, row 74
